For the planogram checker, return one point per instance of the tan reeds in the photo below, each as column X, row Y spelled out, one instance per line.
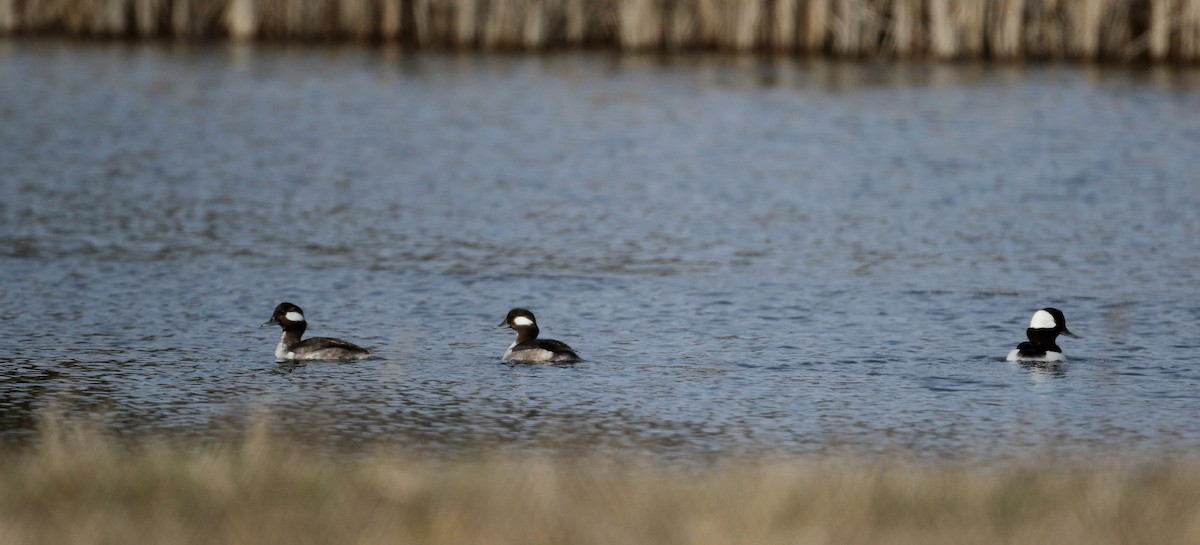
column 641, row 24
column 1189, row 30
column 1115, row 30
column 79, row 486
column 1158, row 34
column 242, row 19
column 1004, row 28
column 904, row 34
column 957, row 28
column 1156, row 30
column 358, row 19
column 785, row 19
column 815, row 28
column 857, row 27
column 8, row 16
column 148, row 15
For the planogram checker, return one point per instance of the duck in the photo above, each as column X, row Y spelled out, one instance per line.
column 1043, row 331
column 291, row 347
column 528, row 348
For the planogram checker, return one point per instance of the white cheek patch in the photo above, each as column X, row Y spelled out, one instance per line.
column 294, row 316
column 1042, row 320
column 522, row 321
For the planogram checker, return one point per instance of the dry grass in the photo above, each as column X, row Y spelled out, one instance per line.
column 79, row 486
column 1156, row 30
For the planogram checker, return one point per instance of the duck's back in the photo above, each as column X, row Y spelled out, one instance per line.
column 541, row 351
column 325, row 348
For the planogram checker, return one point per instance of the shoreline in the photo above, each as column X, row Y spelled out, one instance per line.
column 1006, row 30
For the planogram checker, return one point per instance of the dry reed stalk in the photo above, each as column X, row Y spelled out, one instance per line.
column 972, row 24
column 533, row 28
column 502, row 23
column 574, row 21
column 708, row 19
column 1040, row 36
column 465, row 23
column 640, row 24
column 1084, row 20
column 748, row 25
column 444, row 16
column 317, row 18
column 957, row 28
column 1159, row 34
column 210, row 18
column 147, row 14
column 270, row 18
column 390, row 20
column 181, row 18
column 1004, row 29
column 422, row 22
column 679, row 25
column 784, row 23
column 602, row 22
column 26, row 17
column 846, row 27
column 108, row 18
column 1115, row 31
column 303, row 18
column 75, row 18
column 293, row 18
column 8, row 16
column 60, row 12
column 815, row 28
column 1189, row 31
column 191, row 19
column 857, row 28
column 242, row 19
column 437, row 21
column 517, row 18
column 943, row 38
column 902, row 35
column 357, row 19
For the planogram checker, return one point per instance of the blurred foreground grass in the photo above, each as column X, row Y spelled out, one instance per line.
column 80, row 485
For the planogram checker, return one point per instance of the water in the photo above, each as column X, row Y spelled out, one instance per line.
column 766, row 257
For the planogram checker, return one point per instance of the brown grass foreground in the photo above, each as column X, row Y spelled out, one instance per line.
column 78, row 486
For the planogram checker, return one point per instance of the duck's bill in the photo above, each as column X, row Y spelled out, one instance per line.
column 1068, row 333
column 272, row 321
column 502, row 324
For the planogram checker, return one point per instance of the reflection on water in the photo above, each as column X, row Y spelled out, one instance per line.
column 753, row 256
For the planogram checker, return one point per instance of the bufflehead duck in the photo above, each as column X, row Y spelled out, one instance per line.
column 530, row 349
column 291, row 319
column 1043, row 329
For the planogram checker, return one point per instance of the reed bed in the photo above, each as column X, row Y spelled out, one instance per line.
column 79, row 485
column 1121, row 30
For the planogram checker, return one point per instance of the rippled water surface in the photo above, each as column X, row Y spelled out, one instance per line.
column 754, row 256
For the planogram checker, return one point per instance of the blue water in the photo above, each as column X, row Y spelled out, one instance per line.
column 761, row 257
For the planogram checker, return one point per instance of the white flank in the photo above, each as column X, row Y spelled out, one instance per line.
column 294, row 316
column 1042, row 320
column 1048, row 357
column 522, row 321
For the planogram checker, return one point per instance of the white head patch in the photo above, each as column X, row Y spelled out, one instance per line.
column 294, row 316
column 522, row 321
column 1042, row 320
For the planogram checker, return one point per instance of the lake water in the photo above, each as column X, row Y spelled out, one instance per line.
column 766, row 257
